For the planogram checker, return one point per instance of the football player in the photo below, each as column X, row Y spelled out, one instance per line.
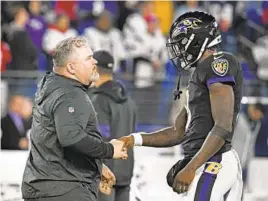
column 210, row 169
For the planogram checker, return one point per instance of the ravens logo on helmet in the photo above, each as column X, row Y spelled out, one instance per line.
column 190, row 35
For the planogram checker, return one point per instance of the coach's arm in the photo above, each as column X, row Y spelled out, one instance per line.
column 71, row 115
column 166, row 137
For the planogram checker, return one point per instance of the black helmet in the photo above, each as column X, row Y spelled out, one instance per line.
column 190, row 35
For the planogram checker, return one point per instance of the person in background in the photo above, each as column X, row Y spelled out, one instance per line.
column 135, row 33
column 147, row 71
column 117, row 117
column 104, row 36
column 24, row 53
column 70, row 8
column 56, row 33
column 16, row 123
column 22, row 48
column 249, row 125
column 181, row 7
column 36, row 25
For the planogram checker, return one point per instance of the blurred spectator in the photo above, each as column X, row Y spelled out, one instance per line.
column 246, row 131
column 36, row 25
column 7, row 10
column 68, row 8
column 125, row 8
column 135, row 32
column 224, row 12
column 56, row 33
column 261, row 145
column 22, row 48
column 15, row 124
column 147, row 71
column 185, row 6
column 105, row 37
column 5, row 56
column 260, row 54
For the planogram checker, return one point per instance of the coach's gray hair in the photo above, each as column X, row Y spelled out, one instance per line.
column 64, row 49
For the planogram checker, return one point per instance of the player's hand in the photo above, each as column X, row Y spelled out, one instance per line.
column 128, row 141
column 183, row 180
column 119, row 151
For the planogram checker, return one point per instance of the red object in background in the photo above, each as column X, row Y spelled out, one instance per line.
column 68, row 8
column 265, row 17
column 151, row 18
column 5, row 56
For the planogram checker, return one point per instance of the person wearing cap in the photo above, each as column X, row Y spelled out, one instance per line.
column 116, row 117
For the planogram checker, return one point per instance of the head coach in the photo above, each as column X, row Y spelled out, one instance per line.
column 65, row 159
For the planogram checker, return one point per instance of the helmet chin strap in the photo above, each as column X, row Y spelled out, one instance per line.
column 177, row 93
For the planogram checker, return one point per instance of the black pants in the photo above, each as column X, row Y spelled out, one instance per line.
column 79, row 194
column 119, row 193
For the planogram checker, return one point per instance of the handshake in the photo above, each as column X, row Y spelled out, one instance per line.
column 121, row 146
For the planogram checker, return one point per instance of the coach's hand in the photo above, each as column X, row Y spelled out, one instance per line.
column 119, row 151
column 107, row 180
column 105, row 187
column 108, row 175
column 183, row 180
column 128, row 141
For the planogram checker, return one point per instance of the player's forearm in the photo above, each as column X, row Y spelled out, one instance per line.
column 212, row 145
column 166, row 137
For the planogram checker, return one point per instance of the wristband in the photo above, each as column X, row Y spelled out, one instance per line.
column 137, row 139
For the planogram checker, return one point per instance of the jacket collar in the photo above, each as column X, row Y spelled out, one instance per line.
column 72, row 81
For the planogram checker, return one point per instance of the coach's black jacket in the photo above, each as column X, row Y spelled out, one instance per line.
column 66, row 146
column 117, row 118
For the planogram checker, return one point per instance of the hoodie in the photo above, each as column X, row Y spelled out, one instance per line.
column 116, row 113
column 67, row 148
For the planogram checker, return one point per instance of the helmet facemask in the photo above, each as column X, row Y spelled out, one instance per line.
column 186, row 54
